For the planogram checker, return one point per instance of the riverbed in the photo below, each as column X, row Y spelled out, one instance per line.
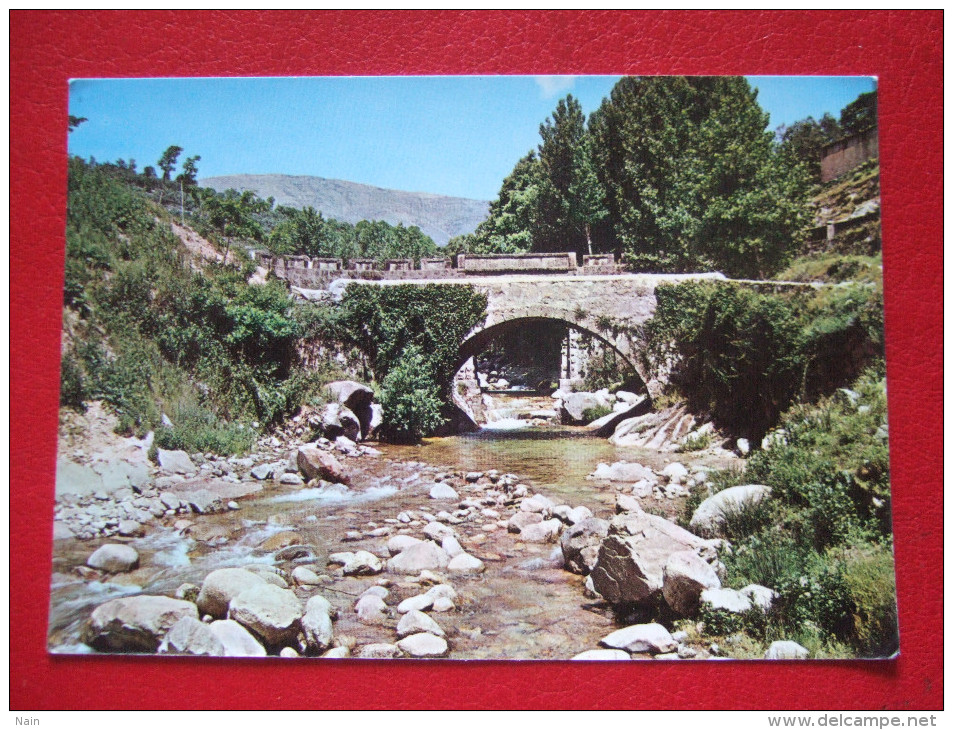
column 523, row 606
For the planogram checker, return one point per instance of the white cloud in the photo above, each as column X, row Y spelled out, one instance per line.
column 551, row 86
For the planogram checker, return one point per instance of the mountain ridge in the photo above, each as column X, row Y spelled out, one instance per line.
column 439, row 216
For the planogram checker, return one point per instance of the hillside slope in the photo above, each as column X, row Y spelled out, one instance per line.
column 439, row 216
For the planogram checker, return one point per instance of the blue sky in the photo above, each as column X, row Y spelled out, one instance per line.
column 454, row 135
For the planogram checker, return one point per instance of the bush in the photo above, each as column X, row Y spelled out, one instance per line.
column 591, row 414
column 871, row 581
column 410, row 400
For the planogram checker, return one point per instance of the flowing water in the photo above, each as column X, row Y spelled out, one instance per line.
column 523, row 606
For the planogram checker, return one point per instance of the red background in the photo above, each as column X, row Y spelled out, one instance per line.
column 904, row 49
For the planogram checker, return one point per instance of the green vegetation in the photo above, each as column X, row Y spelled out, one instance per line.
column 823, row 539
column 591, row 414
column 154, row 336
column 744, row 356
column 392, row 325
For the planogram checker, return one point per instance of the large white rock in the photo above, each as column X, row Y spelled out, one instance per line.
column 574, row 406
column 684, row 577
column 641, row 638
column 190, row 636
column 135, row 623
column 415, row 622
column 725, row 599
column 114, row 558
column 520, row 520
column 675, row 472
column 629, row 569
column 221, row 586
column 236, row 641
column 269, row 612
column 538, row 503
column 423, row 645
column 709, row 518
column 622, row 471
column 786, row 650
column 438, row 531
column 303, row 576
column 424, row 556
column 760, row 596
column 416, row 603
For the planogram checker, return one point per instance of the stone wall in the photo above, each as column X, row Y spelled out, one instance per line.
column 846, row 154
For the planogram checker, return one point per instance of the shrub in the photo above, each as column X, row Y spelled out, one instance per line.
column 871, row 582
column 695, row 442
column 591, row 414
column 410, row 400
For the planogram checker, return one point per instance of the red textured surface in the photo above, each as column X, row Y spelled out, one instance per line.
column 903, row 48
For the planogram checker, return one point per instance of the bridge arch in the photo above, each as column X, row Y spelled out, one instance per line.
column 478, row 339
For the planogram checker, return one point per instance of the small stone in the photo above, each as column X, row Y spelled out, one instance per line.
column 442, row 605
column 443, row 491
column 303, row 576
column 236, row 640
column 786, row 650
column 653, row 638
column 288, row 653
column 378, row 651
column 291, row 479
column 547, row 531
column 423, row 645
column 416, row 603
column 233, row 505
column 602, row 655
column 190, row 636
column 363, row 563
column 371, row 609
column 129, row 528
column 466, row 564
column 415, row 622
column 114, row 558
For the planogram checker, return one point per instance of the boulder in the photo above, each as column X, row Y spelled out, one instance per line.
column 760, row 596
column 786, row 650
column 175, row 462
column 709, row 517
column 546, row 531
column 574, row 405
column 423, row 645
column 130, row 528
column 538, row 503
column 684, row 577
column 416, row 603
column 724, row 599
column 339, row 420
column 236, row 641
column 424, row 556
column 452, row 545
column 357, row 398
column 190, row 636
column 622, row 471
column 316, row 463
column 135, row 623
column 629, row 568
column 641, row 638
column 580, row 544
column 76, row 479
column 603, row 655
column 114, row 558
column 438, row 531
column 281, row 540
column 263, row 471
column 306, row 577
column 676, row 472
column 269, row 612
column 204, row 501
column 415, row 622
column 221, row 586
column 578, row 514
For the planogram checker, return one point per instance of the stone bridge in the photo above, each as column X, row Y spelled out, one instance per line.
column 594, row 299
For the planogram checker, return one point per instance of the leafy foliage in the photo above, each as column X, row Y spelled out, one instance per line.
column 410, row 400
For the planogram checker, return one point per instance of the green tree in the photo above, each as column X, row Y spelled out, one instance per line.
column 509, row 226
column 168, row 160
column 410, row 400
column 74, row 122
column 692, row 177
column 190, row 170
column 803, row 141
column 861, row 114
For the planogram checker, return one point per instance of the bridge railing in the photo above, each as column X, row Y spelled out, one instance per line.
column 302, row 270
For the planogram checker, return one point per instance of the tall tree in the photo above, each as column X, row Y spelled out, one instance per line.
column 692, row 177
column 803, row 141
column 190, row 170
column 167, row 162
column 861, row 114
column 509, row 226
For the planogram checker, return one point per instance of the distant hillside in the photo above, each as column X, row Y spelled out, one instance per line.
column 439, row 216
